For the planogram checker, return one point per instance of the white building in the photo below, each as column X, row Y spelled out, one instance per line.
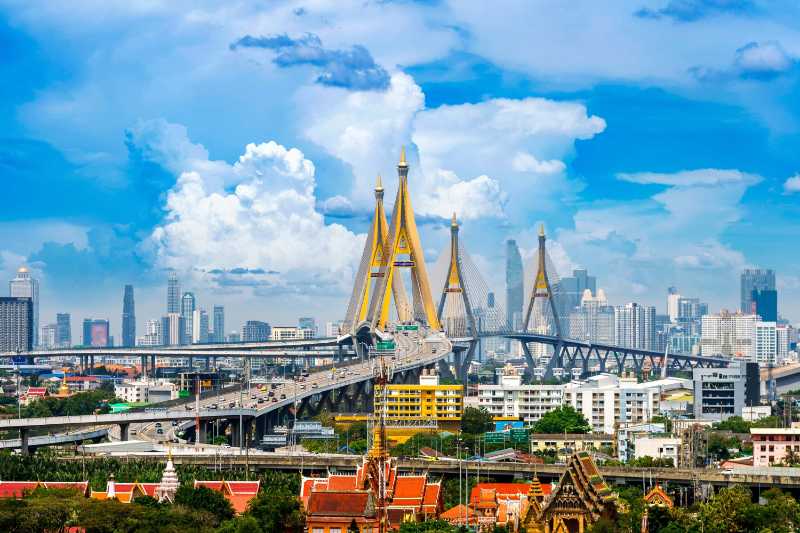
column 145, row 391
column 634, row 326
column 658, row 448
column 606, row 399
column 199, row 326
column 782, row 337
column 730, row 334
column 334, row 329
column 512, row 398
column 152, row 335
column 24, row 286
column 593, row 320
column 285, row 333
column 47, row 336
column 766, row 348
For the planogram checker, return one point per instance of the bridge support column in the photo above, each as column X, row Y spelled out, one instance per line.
column 236, row 432
column 91, row 364
column 202, row 434
column 191, row 363
column 153, row 365
column 208, row 363
column 444, row 369
column 528, row 357
column 23, row 439
column 123, row 431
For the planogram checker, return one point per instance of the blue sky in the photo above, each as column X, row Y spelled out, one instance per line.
column 238, row 143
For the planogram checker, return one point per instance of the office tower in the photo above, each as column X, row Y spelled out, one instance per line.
column 188, row 305
column 754, row 279
column 173, row 293
column 766, row 348
column 96, row 333
column 128, row 318
column 173, row 329
column 490, row 300
column 765, row 304
column 24, row 286
column 200, row 326
column 673, row 299
column 255, row 331
column 334, row 329
column 153, row 335
column 593, row 320
column 729, row 334
column 571, row 290
column 307, row 322
column 514, row 286
column 219, row 323
column 782, row 343
column 47, row 336
column 64, row 331
column 16, row 324
column 719, row 393
column 634, row 326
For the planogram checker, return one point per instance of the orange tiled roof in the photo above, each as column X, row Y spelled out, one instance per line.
column 340, row 503
column 409, row 489
column 340, row 482
column 505, row 490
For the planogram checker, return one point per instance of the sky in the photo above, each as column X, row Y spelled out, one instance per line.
column 238, row 143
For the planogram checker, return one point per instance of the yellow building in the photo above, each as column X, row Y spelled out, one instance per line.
column 417, row 408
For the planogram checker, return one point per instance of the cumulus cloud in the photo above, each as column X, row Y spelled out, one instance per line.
column 692, row 10
column 479, row 197
column 266, row 225
column 524, row 162
column 763, row 61
column 677, row 230
column 352, row 69
column 792, row 185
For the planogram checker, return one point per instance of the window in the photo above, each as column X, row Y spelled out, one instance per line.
column 335, row 530
column 318, row 530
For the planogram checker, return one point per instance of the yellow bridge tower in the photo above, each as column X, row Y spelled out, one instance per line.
column 402, row 248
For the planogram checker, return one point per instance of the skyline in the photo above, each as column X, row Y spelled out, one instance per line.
column 664, row 158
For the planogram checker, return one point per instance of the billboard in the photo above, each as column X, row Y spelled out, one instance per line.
column 508, row 425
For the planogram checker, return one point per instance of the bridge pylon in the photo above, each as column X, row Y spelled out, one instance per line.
column 369, row 272
column 463, row 324
column 402, row 248
column 542, row 289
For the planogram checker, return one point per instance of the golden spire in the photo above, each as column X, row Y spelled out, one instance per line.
column 453, row 221
column 378, row 184
column 402, row 162
column 541, row 230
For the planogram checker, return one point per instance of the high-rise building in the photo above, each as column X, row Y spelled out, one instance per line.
column 200, row 326
column 729, row 334
column 765, row 303
column 514, row 286
column 219, row 323
column 188, row 304
column 173, row 293
column 128, row 318
column 571, row 290
column 766, row 350
column 255, row 331
column 673, row 299
column 16, row 324
column 634, row 326
column 96, row 333
column 173, row 329
column 64, row 331
column 24, row 286
column 754, row 279
column 153, row 335
column 334, row 329
column 47, row 336
column 307, row 322
column 593, row 320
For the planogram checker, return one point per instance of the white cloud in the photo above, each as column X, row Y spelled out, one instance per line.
column 675, row 236
column 268, row 224
column 470, row 199
column 524, row 162
column 762, row 59
column 792, row 185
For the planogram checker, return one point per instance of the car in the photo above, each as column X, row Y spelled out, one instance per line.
column 315, row 385
column 158, row 424
column 283, row 396
column 261, row 400
column 133, row 432
column 274, row 399
column 302, row 387
column 160, row 431
column 174, row 423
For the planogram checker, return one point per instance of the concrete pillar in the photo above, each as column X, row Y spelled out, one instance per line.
column 191, row 362
column 236, row 434
column 208, row 363
column 203, row 433
column 91, row 364
column 153, row 365
column 23, row 437
column 123, row 431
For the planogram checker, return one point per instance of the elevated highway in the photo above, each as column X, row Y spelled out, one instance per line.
column 55, row 440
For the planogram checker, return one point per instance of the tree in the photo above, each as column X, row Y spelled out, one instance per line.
column 277, row 511
column 735, row 424
column 476, row 420
column 428, row 526
column 241, row 524
column 205, row 499
column 564, row 419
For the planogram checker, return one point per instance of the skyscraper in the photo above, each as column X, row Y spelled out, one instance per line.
column 16, row 324
column 673, row 299
column 24, row 286
column 188, row 304
column 571, row 290
column 307, row 322
column 754, row 279
column 96, row 333
column 199, row 326
column 47, row 336
column 634, row 326
column 765, row 302
column 219, row 323
column 128, row 318
column 173, row 293
column 514, row 285
column 64, row 330
column 255, row 331
column 173, row 329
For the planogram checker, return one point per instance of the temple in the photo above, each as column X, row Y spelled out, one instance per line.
column 579, row 500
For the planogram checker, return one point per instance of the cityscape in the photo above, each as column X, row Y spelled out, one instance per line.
column 435, row 292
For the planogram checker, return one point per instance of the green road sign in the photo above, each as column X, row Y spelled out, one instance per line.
column 495, row 437
column 519, row 435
